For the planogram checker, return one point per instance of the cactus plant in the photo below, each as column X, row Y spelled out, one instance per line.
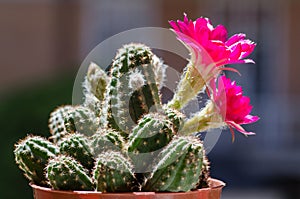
column 81, row 119
column 123, row 139
column 78, row 146
column 114, row 173
column 177, row 167
column 65, row 173
column 57, row 122
column 176, row 117
column 153, row 132
column 95, row 81
column 32, row 154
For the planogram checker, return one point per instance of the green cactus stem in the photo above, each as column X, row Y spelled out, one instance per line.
column 153, row 132
column 65, row 173
column 95, row 81
column 114, row 173
column 177, row 118
column 178, row 167
column 132, row 90
column 82, row 120
column 32, row 154
column 57, row 123
column 106, row 140
column 77, row 146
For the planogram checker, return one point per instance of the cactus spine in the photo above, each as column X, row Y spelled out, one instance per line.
column 178, row 166
column 114, row 173
column 65, row 173
column 32, row 154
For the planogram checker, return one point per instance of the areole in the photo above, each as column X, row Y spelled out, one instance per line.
column 213, row 192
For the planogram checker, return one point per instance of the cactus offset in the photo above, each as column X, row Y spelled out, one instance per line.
column 77, row 146
column 105, row 140
column 65, row 173
column 95, row 81
column 178, row 166
column 114, row 173
column 32, row 154
column 81, row 119
column 177, row 118
column 153, row 132
column 159, row 70
column 57, row 122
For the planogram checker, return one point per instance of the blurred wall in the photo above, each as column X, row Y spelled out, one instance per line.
column 38, row 39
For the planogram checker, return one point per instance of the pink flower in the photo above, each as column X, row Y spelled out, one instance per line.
column 212, row 43
column 231, row 104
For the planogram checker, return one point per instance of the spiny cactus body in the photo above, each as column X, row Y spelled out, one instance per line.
column 95, row 81
column 114, row 173
column 81, row 119
column 77, row 146
column 178, row 166
column 177, row 118
column 153, row 132
column 205, row 174
column 132, row 90
column 106, row 140
column 32, row 154
column 57, row 122
column 65, row 173
column 159, row 71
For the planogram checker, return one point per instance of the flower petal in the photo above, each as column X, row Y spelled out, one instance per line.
column 239, row 128
column 219, row 33
column 250, row 119
column 235, row 38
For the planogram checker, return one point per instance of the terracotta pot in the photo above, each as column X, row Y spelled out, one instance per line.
column 213, row 192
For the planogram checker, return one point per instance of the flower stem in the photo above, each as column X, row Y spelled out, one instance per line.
column 205, row 119
column 191, row 83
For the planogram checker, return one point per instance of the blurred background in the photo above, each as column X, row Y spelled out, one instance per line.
column 43, row 42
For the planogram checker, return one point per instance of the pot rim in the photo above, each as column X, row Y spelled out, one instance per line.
column 214, row 185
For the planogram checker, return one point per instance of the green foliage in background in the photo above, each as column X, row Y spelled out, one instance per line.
column 27, row 111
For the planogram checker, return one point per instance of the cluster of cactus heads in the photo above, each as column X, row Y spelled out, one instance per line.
column 121, row 138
